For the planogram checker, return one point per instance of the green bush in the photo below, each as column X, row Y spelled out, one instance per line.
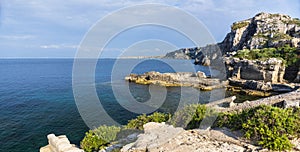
column 138, row 122
column 239, row 25
column 190, row 116
column 270, row 127
column 99, row 138
column 286, row 53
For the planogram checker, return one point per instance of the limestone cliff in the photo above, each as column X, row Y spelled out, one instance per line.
column 261, row 31
column 264, row 30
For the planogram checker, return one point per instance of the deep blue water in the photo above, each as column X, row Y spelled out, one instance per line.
column 36, row 98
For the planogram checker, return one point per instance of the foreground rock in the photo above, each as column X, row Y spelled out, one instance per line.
column 159, row 137
column 59, row 144
column 197, row 80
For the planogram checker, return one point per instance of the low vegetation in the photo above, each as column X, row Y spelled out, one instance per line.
column 138, row 122
column 191, row 116
column 239, row 25
column 295, row 21
column 269, row 127
column 99, row 138
column 287, row 54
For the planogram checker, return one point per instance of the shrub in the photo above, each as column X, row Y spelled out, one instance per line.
column 286, row 53
column 138, row 122
column 238, row 25
column 99, row 138
column 190, row 116
column 269, row 126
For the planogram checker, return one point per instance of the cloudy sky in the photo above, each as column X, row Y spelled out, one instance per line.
column 55, row 28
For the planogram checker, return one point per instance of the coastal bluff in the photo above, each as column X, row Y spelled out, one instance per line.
column 264, row 30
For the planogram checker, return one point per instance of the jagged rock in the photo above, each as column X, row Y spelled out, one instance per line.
column 201, row 74
column 264, row 30
column 155, row 135
column 197, row 80
column 282, row 87
column 59, row 144
column 161, row 137
column 291, row 103
column 271, row 70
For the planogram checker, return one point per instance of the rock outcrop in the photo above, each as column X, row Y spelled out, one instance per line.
column 59, row 144
column 271, row 70
column 159, row 137
column 197, row 80
column 264, row 30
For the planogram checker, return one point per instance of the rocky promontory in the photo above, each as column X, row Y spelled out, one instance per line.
column 264, row 30
column 188, row 79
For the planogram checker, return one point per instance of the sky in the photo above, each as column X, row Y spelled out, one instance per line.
column 55, row 28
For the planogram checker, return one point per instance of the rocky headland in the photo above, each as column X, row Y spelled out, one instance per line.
column 264, row 30
column 259, row 54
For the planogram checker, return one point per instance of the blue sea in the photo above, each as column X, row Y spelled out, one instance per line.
column 36, row 97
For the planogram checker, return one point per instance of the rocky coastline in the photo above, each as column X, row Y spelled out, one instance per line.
column 261, row 75
column 186, row 79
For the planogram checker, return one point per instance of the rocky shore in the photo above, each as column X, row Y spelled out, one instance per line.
column 188, row 79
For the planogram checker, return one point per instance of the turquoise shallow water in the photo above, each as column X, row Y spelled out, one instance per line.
column 36, row 98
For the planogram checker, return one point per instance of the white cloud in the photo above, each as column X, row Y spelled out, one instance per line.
column 17, row 37
column 58, row 46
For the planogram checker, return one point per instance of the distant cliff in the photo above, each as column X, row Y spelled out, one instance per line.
column 264, row 30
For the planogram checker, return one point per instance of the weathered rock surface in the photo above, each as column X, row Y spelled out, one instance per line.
column 285, row 100
column 159, row 137
column 271, row 70
column 264, row 30
column 198, row 80
column 59, row 144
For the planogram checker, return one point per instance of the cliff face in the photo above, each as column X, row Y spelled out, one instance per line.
column 261, row 31
column 264, row 30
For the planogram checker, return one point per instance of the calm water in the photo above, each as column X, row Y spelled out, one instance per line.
column 36, row 98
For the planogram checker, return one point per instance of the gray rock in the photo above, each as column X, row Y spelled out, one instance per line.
column 271, row 70
column 156, row 134
column 291, row 104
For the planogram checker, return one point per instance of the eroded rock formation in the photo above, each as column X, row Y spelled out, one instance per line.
column 197, row 80
column 264, row 30
column 162, row 137
column 271, row 70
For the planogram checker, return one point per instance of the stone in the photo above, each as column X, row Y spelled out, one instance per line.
column 271, row 70
column 59, row 144
column 291, row 104
column 155, row 134
column 201, row 74
column 282, row 87
column 198, row 80
column 197, row 140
